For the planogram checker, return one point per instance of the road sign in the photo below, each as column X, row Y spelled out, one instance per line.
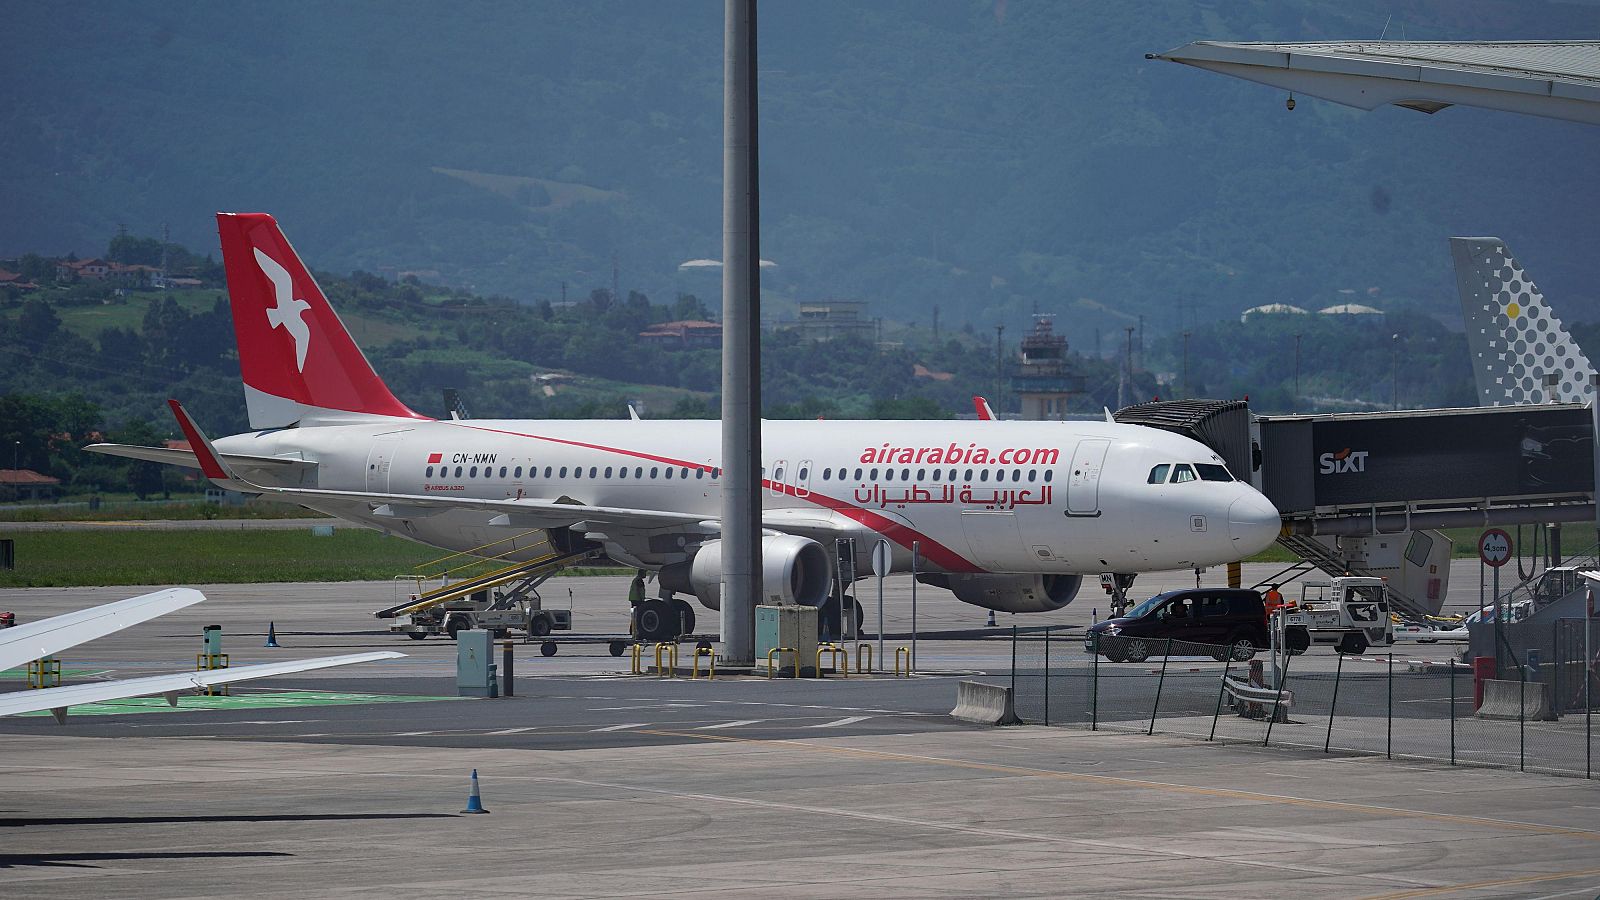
column 880, row 558
column 1494, row 547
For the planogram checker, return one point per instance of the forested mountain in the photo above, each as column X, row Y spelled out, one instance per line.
column 988, row 157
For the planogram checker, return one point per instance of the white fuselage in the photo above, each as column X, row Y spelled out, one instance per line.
column 1002, row 497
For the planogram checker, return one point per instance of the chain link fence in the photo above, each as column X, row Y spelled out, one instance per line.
column 1538, row 718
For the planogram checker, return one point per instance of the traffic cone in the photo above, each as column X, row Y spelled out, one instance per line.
column 272, row 634
column 474, row 802
column 991, row 622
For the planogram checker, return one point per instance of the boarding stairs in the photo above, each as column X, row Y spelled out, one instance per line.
column 546, row 559
column 1314, row 553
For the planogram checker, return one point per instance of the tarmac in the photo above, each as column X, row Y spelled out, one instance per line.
column 351, row 782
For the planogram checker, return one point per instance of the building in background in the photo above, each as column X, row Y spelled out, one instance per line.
column 1043, row 381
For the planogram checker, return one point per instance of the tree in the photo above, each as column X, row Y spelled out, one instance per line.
column 38, row 322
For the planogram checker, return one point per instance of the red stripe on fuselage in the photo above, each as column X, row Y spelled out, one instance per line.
column 903, row 535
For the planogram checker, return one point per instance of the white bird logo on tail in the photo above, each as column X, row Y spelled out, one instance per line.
column 288, row 313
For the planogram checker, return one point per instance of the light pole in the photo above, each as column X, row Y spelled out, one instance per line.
column 1394, row 396
column 999, row 366
column 1186, row 365
column 1297, row 373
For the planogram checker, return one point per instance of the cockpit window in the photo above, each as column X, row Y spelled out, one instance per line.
column 1213, row 472
column 1181, row 473
column 1158, row 475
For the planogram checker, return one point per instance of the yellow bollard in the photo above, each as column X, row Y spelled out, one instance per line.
column 864, row 650
column 671, row 649
column 898, row 651
column 835, row 650
column 638, row 659
column 776, row 650
column 207, row 662
column 711, row 655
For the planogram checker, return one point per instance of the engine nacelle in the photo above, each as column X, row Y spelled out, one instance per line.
column 793, row 570
column 1010, row 593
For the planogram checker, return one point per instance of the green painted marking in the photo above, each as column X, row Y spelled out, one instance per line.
column 22, row 674
column 279, row 700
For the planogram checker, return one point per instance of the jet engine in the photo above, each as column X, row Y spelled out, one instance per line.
column 1010, row 593
column 793, row 570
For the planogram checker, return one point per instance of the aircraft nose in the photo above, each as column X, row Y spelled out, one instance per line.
column 1253, row 522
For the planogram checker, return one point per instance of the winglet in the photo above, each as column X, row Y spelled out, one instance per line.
column 1110, row 419
column 982, row 407
column 211, row 464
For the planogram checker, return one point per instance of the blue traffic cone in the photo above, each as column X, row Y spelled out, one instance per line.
column 474, row 802
column 272, row 634
column 991, row 622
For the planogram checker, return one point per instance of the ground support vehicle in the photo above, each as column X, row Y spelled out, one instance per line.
column 1350, row 612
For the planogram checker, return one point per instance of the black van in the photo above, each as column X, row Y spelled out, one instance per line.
column 1232, row 620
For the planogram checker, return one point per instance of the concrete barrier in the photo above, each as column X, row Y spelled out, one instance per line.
column 1512, row 700
column 985, row 704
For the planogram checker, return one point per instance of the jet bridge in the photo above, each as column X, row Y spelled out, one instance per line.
column 1353, row 487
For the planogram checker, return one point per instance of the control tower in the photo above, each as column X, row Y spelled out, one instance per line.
column 1042, row 382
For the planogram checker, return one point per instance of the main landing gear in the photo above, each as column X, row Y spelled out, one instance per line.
column 658, row 620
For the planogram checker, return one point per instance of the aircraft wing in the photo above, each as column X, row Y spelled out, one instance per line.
column 188, row 459
column 46, row 637
column 58, row 699
column 527, row 513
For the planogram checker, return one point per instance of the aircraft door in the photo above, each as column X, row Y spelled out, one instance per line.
column 780, row 471
column 379, row 459
column 1083, row 487
column 802, row 479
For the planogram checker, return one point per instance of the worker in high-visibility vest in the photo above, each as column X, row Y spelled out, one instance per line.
column 1273, row 599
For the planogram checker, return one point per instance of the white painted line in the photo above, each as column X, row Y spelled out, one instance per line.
column 847, row 720
column 509, row 731
column 621, row 727
column 734, row 724
column 412, row 733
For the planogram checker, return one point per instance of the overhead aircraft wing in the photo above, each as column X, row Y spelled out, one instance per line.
column 527, row 513
column 187, row 458
column 46, row 637
column 58, row 699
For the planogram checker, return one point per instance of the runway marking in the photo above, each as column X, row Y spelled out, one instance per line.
column 622, row 727
column 847, row 720
column 1500, row 882
column 1173, row 787
column 734, row 724
column 396, row 734
column 510, row 731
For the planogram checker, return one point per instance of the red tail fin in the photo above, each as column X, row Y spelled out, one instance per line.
column 298, row 361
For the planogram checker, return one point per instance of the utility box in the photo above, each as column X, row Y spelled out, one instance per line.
column 791, row 626
column 475, row 668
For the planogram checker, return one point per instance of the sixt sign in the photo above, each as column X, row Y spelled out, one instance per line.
column 1345, row 460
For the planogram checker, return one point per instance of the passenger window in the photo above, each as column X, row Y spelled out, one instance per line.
column 1182, row 473
column 517, row 473
column 701, row 473
column 608, row 471
column 502, row 471
column 873, row 475
column 684, row 473
column 905, row 474
column 547, row 471
column 593, row 471
column 953, row 475
column 654, row 471
column 827, row 473
column 1016, row 474
column 888, row 474
column 983, row 475
column 1213, row 472
column 936, row 474
column 1158, row 475
column 473, row 472
column 638, row 471
column 1213, row 606
column 563, row 471
column 577, row 471
column 669, row 471
column 622, row 472
column 430, row 472
column 969, row 474
column 1033, row 474
column 858, row 473
column 1048, row 473
column 922, row 474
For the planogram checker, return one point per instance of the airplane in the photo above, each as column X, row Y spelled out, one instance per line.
column 47, row 637
column 1009, row 516
column 1521, row 353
